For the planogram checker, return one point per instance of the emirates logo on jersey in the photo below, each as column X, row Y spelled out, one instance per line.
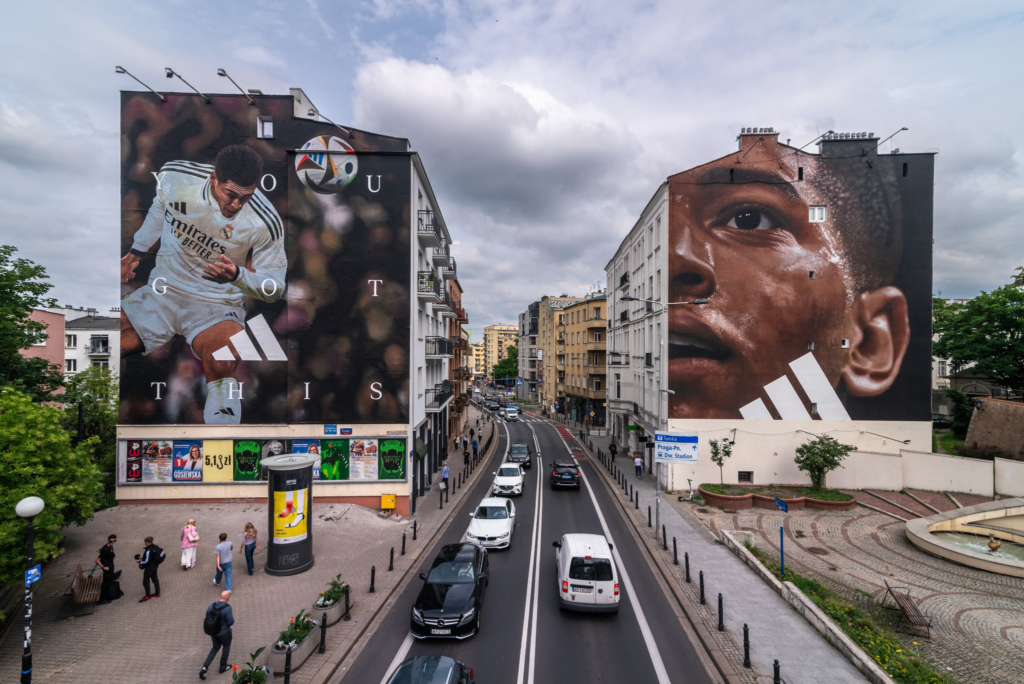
column 226, row 231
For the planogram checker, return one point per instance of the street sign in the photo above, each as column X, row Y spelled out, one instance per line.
column 519, row 381
column 32, row 575
column 592, row 414
column 781, row 505
column 675, row 447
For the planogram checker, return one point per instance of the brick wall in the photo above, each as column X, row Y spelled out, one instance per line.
column 998, row 428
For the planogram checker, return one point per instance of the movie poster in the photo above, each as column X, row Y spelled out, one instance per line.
column 334, row 462
column 392, row 459
column 248, row 453
column 188, row 461
column 156, row 461
column 133, row 468
column 218, row 460
column 363, row 459
column 267, row 278
column 807, row 279
column 308, row 446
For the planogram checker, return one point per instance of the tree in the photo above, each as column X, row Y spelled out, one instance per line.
column 820, row 457
column 37, row 459
column 96, row 388
column 719, row 453
column 963, row 411
column 23, row 286
column 987, row 331
column 508, row 366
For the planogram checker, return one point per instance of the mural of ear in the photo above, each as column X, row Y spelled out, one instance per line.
column 880, row 337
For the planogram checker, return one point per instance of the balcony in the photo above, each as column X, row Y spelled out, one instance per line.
column 442, row 255
column 448, row 270
column 427, row 229
column 438, row 348
column 624, row 280
column 444, row 305
column 597, row 370
column 428, row 286
column 98, row 349
column 618, row 358
column 460, row 374
column 594, row 346
column 624, row 316
column 460, row 343
column 649, row 360
column 438, row 397
column 460, row 315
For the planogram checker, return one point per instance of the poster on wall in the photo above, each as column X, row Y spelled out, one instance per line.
column 247, row 460
column 156, row 461
column 188, row 461
column 246, row 263
column 334, row 463
column 810, row 282
column 308, row 446
column 392, row 459
column 218, row 460
column 290, row 524
column 133, row 466
column 363, row 459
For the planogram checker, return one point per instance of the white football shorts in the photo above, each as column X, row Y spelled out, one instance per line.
column 158, row 318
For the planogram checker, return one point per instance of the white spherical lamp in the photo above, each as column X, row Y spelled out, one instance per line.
column 29, row 507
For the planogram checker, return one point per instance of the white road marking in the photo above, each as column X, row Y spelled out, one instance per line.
column 534, row 553
column 403, row 651
column 536, row 580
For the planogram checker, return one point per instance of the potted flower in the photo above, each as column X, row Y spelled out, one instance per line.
column 252, row 673
column 332, row 601
column 301, row 636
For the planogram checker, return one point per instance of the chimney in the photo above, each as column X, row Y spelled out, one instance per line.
column 749, row 137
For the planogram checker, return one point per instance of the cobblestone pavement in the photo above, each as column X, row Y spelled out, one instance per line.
column 163, row 640
column 978, row 617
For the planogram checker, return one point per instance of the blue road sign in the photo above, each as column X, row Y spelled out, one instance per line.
column 781, row 505
column 675, row 447
column 330, row 429
column 32, row 575
column 519, row 381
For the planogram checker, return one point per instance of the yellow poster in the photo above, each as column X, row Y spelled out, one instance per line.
column 290, row 516
column 218, row 463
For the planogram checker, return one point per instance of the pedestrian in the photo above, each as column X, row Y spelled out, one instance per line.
column 149, row 562
column 472, row 432
column 639, row 463
column 217, row 624
column 223, row 553
column 444, row 476
column 189, row 542
column 106, row 562
column 252, row 545
column 612, row 449
column 474, row 448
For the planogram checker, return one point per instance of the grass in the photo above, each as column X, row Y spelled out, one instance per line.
column 725, row 490
column 822, row 494
column 952, row 444
column 880, row 643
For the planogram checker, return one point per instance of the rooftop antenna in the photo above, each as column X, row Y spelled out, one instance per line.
column 314, row 112
column 122, row 70
column 221, row 72
column 170, row 73
column 892, row 136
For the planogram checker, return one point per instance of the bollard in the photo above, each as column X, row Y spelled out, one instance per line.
column 630, row 491
column 686, row 559
column 675, row 552
column 446, row 494
column 391, row 562
column 648, row 515
column 776, row 679
column 323, row 633
column 288, row 666
column 702, row 601
column 664, row 539
column 440, row 494
column 721, row 616
column 403, row 543
column 373, row 579
column 414, row 530
column 348, row 590
column 637, row 500
column 746, row 646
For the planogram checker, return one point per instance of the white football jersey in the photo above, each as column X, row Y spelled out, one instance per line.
column 193, row 233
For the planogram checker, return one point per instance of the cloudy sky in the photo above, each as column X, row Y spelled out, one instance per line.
column 544, row 125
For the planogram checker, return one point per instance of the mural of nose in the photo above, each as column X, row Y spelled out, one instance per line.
column 692, row 275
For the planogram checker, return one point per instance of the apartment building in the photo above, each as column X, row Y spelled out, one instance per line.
column 498, row 338
column 478, row 360
column 550, row 339
column 458, row 374
column 581, row 359
column 526, row 384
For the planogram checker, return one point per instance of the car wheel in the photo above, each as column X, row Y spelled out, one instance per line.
column 476, row 623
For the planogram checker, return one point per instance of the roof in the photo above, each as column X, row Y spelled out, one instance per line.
column 93, row 323
column 493, row 501
column 587, row 545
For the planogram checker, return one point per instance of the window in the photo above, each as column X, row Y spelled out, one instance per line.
column 799, row 173
column 71, row 341
column 942, row 369
column 265, row 127
column 746, row 476
column 818, row 214
column 100, row 364
column 70, row 365
column 846, row 343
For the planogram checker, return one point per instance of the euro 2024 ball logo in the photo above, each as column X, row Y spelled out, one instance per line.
column 327, row 164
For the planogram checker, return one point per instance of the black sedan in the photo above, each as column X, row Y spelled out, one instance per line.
column 431, row 669
column 565, row 474
column 453, row 590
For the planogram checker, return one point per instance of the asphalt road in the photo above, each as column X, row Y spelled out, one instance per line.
column 524, row 636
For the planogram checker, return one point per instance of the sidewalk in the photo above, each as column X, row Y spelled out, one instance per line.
column 776, row 630
column 163, row 641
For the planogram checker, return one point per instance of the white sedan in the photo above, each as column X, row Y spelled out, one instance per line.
column 492, row 524
column 508, row 480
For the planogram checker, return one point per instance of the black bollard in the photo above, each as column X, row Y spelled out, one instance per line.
column 391, row 563
column 288, row 666
column 686, row 559
column 702, row 601
column 664, row 539
column 403, row 543
column 776, row 679
column 648, row 516
column 675, row 552
column 446, row 494
column 414, row 530
column 440, row 494
column 631, row 491
column 746, row 646
column 348, row 590
column 637, row 500
column 323, row 634
column 721, row 616
column 373, row 580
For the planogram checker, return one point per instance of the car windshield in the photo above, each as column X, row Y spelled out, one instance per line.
column 491, row 513
column 453, row 572
column 508, row 472
column 518, row 449
column 425, row 671
column 599, row 569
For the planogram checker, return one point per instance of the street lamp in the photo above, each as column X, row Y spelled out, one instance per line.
column 28, row 508
column 661, row 361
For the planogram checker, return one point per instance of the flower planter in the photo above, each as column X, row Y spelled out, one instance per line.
column 761, row 501
column 275, row 657
column 736, row 503
column 270, row 673
column 729, row 503
column 819, row 505
column 334, row 613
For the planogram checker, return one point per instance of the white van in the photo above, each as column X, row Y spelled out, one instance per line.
column 511, row 413
column 587, row 578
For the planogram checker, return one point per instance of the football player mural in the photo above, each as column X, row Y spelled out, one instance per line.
column 264, row 279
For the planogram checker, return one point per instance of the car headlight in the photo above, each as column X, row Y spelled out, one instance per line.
column 470, row 535
column 502, row 536
column 468, row 616
column 417, row 615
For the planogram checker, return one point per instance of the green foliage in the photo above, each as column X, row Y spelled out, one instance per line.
column 508, row 366
column 335, row 592
column 23, row 286
column 250, row 673
column 97, row 389
column 987, row 331
column 821, row 456
column 962, row 411
column 822, row 494
column 37, row 459
column 720, row 452
column 952, row 444
column 299, row 628
column 724, row 489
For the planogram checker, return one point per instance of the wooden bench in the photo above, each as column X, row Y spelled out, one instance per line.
column 908, row 610
column 84, row 588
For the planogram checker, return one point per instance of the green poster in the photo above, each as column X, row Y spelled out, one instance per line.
column 247, row 460
column 391, row 465
column 334, row 459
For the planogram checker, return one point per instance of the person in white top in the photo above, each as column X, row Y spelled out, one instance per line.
column 221, row 240
column 639, row 463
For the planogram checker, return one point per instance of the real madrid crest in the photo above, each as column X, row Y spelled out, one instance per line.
column 226, row 231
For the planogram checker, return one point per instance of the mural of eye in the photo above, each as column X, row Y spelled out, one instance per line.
column 750, row 219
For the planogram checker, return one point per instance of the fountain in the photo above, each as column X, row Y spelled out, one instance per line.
column 959, row 535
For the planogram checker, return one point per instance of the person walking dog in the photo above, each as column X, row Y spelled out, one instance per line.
column 252, row 545
column 149, row 562
column 223, row 554
column 217, row 623
column 189, row 542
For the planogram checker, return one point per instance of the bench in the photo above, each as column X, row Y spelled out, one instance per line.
column 908, row 610
column 84, row 588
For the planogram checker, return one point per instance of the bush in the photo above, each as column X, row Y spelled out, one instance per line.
column 335, row 592
column 300, row 627
column 821, row 456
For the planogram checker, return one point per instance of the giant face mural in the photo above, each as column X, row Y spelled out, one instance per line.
column 816, row 270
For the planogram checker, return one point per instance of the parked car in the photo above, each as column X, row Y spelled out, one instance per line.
column 520, row 453
column 449, row 603
column 492, row 524
column 431, row 669
column 565, row 474
column 587, row 578
column 508, row 480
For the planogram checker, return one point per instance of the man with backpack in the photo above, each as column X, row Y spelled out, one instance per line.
column 149, row 562
column 217, row 624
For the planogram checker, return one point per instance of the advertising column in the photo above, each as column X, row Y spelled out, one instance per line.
column 290, row 550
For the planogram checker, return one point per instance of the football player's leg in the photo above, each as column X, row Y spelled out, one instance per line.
column 223, row 393
column 131, row 343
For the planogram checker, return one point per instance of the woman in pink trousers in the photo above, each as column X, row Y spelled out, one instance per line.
column 189, row 542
